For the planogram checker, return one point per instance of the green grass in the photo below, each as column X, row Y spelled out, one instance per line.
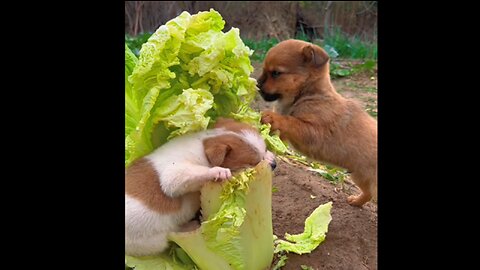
column 260, row 47
column 336, row 43
column 350, row 47
column 371, row 107
column 336, row 70
column 372, row 110
column 371, row 90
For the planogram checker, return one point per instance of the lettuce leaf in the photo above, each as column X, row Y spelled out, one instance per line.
column 316, row 227
column 237, row 229
column 188, row 74
column 185, row 112
column 281, row 262
column 273, row 141
column 131, row 107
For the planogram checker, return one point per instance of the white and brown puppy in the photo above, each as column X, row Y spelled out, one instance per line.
column 162, row 189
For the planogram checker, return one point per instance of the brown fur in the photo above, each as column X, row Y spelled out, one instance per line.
column 142, row 182
column 232, row 125
column 229, row 151
column 314, row 118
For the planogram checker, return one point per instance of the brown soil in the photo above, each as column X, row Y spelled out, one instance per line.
column 351, row 241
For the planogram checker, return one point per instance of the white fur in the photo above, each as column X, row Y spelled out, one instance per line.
column 146, row 230
column 255, row 140
column 181, row 163
column 183, row 168
column 269, row 156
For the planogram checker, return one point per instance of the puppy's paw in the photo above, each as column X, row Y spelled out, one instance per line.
column 359, row 200
column 219, row 173
column 269, row 117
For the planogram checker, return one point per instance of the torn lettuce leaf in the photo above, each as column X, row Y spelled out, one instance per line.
column 316, row 227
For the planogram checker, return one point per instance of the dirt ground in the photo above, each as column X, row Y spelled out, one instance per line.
column 351, row 241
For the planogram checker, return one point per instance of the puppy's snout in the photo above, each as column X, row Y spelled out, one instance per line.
column 273, row 165
column 270, row 157
column 260, row 81
column 263, row 92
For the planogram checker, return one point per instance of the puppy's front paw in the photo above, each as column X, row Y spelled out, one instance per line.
column 219, row 173
column 269, row 117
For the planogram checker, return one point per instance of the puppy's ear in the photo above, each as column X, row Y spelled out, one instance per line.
column 314, row 55
column 215, row 151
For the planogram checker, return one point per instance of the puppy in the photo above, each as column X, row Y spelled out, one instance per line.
column 162, row 189
column 314, row 118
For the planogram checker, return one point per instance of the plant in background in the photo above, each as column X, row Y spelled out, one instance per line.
column 261, row 47
column 135, row 43
column 350, row 47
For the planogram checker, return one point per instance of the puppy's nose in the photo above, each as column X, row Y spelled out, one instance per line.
column 273, row 164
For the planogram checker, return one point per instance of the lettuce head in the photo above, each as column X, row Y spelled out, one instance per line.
column 187, row 75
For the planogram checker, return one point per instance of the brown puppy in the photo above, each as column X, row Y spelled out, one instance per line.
column 314, row 118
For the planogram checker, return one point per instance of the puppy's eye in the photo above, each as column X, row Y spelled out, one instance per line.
column 275, row 74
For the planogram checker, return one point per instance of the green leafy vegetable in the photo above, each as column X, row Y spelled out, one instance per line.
column 237, row 231
column 187, row 75
column 273, row 142
column 330, row 173
column 316, row 227
column 281, row 262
